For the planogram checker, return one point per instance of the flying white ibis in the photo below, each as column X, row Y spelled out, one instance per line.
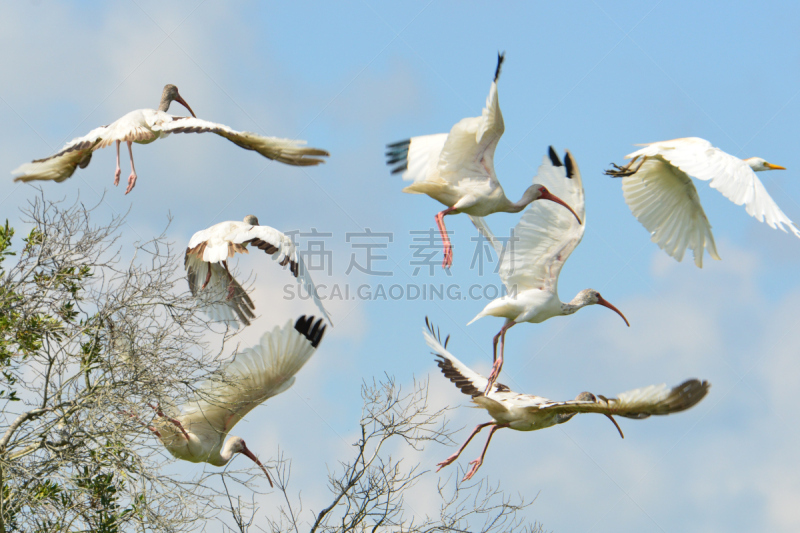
column 540, row 243
column 526, row 412
column 457, row 168
column 144, row 126
column 198, row 432
column 221, row 296
column 661, row 195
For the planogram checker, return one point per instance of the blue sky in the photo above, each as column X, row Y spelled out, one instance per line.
column 594, row 77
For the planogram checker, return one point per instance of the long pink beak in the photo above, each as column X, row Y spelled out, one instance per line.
column 547, row 195
column 181, row 101
column 602, row 301
column 251, row 455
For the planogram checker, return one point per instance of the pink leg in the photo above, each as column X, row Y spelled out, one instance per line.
column 448, row 249
column 231, row 286
column 453, row 457
column 476, row 464
column 132, row 177
column 498, row 361
column 208, row 278
column 119, row 170
column 151, row 428
column 177, row 424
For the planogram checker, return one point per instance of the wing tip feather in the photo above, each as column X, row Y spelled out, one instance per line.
column 313, row 331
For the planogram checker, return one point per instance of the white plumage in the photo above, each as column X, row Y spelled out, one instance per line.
column 221, row 296
column 538, row 247
column 197, row 433
column 457, row 168
column 144, row 126
column 526, row 412
column 663, row 198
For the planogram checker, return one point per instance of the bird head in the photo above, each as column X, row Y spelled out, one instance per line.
column 251, row 219
column 582, row 397
column 589, row 397
column 171, row 94
column 238, row 446
column 758, row 164
column 591, row 297
column 540, row 192
column 585, row 397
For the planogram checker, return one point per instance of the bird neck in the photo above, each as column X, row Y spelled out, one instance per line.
column 221, row 456
column 527, row 197
column 515, row 207
column 573, row 305
column 164, row 105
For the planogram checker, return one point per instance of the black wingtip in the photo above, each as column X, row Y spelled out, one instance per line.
column 313, row 331
column 554, row 157
column 436, row 333
column 398, row 144
column 397, row 154
column 500, row 57
column 570, row 164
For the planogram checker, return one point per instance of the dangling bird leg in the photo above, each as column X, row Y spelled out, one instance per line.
column 159, row 412
column 119, row 170
column 151, row 428
column 498, row 361
column 621, row 172
column 453, row 457
column 231, row 282
column 448, row 249
column 476, row 464
column 132, row 177
column 208, row 277
column 615, row 424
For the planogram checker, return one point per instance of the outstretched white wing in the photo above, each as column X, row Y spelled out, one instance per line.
column 469, row 149
column 663, row 198
column 467, row 152
column 223, row 240
column 639, row 403
column 253, row 376
column 728, row 174
column 289, row 151
column 546, row 234
column 61, row 165
column 467, row 380
column 216, row 300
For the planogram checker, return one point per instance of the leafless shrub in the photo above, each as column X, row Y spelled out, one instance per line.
column 87, row 341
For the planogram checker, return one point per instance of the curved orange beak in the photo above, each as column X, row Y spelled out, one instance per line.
column 774, row 167
column 181, row 101
column 602, row 301
column 251, row 455
column 547, row 195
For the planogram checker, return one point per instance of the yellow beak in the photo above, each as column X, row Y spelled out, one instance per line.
column 774, row 167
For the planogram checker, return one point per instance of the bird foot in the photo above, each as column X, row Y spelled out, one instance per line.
column 116, row 176
column 622, row 172
column 151, row 428
column 131, row 182
column 495, row 373
column 231, row 291
column 447, row 461
column 476, row 464
column 448, row 258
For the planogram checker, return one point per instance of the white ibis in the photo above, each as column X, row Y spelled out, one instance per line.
column 661, row 195
column 144, row 126
column 221, row 296
column 539, row 246
column 526, row 412
column 457, row 168
column 198, row 432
